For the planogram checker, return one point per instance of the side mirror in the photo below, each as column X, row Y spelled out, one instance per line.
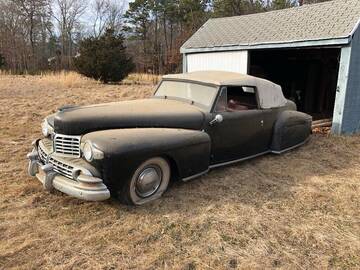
column 218, row 119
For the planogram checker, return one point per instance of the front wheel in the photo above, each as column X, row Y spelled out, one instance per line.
column 148, row 183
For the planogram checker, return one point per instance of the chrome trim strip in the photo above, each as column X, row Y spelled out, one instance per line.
column 238, row 160
column 223, row 164
column 195, row 175
column 243, row 159
column 290, row 148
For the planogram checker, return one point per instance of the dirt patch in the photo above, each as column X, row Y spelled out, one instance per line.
column 298, row 210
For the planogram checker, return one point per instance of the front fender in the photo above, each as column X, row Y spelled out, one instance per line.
column 125, row 149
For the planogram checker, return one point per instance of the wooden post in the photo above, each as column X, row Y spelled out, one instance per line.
column 184, row 63
column 341, row 90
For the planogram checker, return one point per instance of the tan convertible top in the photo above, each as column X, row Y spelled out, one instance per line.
column 270, row 94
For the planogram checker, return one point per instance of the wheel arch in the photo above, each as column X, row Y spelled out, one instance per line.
column 174, row 168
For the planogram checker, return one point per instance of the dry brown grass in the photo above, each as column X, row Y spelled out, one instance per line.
column 66, row 79
column 71, row 79
column 143, row 77
column 300, row 210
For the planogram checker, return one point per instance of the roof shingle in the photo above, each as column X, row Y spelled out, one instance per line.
column 328, row 20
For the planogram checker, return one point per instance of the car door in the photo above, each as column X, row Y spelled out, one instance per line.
column 240, row 134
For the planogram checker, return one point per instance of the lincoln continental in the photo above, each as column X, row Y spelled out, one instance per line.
column 194, row 122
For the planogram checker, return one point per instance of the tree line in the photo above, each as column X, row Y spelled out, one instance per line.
column 37, row 35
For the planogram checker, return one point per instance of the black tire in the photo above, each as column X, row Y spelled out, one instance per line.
column 157, row 168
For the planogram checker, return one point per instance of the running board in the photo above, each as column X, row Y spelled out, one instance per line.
column 290, row 148
column 243, row 159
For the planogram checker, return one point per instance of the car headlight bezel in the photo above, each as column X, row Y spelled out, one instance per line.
column 90, row 152
column 46, row 129
column 87, row 151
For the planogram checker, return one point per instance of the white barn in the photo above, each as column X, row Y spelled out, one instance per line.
column 312, row 51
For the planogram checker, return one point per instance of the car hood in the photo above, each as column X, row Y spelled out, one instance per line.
column 127, row 114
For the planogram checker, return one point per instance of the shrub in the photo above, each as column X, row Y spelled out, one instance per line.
column 104, row 58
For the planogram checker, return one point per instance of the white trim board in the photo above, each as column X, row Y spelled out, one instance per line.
column 292, row 44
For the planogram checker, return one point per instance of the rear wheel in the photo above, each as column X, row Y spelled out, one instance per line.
column 149, row 182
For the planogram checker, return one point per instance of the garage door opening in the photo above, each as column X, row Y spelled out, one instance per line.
column 307, row 76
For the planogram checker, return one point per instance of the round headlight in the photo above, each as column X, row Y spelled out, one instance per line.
column 88, row 151
column 45, row 128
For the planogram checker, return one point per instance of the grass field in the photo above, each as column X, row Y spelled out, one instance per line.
column 300, row 210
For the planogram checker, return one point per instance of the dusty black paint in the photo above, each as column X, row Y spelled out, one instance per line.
column 126, row 149
column 128, row 114
column 128, row 133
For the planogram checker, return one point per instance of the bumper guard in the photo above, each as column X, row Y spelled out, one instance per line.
column 83, row 186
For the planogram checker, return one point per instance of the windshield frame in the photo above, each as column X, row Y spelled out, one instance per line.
column 202, row 106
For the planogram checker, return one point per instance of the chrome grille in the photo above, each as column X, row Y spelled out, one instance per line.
column 42, row 155
column 59, row 167
column 67, row 145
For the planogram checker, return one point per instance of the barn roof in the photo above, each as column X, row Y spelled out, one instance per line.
column 327, row 23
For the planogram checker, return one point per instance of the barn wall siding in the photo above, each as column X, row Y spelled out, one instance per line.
column 236, row 61
column 351, row 118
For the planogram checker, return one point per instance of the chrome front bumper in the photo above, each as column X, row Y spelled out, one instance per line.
column 82, row 184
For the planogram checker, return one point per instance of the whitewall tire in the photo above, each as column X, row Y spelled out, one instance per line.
column 148, row 183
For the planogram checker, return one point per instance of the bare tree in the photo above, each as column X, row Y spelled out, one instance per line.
column 116, row 15
column 34, row 12
column 24, row 26
column 100, row 11
column 35, row 19
column 67, row 14
column 11, row 35
column 107, row 14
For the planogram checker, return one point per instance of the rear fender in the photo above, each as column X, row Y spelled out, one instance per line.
column 292, row 128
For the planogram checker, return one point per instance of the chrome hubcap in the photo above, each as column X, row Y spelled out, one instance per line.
column 148, row 181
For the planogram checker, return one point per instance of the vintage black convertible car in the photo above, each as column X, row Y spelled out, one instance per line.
column 194, row 122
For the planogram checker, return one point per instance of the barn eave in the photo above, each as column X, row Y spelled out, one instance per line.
column 342, row 41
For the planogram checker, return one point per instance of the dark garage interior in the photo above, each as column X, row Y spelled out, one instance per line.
column 307, row 76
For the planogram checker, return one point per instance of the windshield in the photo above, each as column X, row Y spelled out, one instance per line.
column 198, row 93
